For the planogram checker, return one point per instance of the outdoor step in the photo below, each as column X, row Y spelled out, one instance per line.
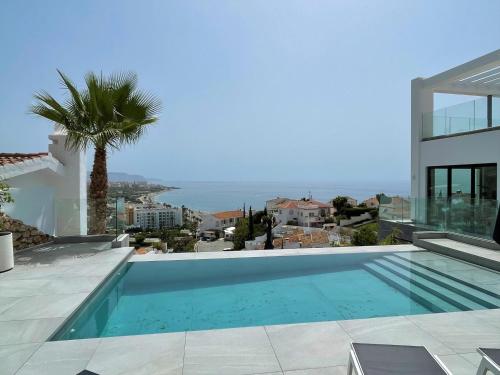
column 429, row 300
column 477, row 294
column 444, row 293
column 458, row 279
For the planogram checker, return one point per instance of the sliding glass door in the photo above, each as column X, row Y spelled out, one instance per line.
column 462, row 198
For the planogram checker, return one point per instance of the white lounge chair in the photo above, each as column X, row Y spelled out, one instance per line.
column 377, row 359
column 490, row 361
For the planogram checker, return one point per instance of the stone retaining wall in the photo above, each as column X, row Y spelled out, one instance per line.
column 23, row 235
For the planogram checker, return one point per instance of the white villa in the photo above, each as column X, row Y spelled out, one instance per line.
column 306, row 213
column 49, row 188
column 218, row 221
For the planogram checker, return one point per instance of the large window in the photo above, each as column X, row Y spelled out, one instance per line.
column 466, row 181
column 462, row 198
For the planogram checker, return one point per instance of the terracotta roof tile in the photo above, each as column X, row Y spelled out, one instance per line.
column 14, row 158
column 303, row 204
column 228, row 214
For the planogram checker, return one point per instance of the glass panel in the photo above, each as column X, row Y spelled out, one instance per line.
column 495, row 111
column 486, row 182
column 461, row 182
column 438, row 184
column 463, row 117
column 474, row 217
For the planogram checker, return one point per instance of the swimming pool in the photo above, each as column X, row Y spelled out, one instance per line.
column 188, row 295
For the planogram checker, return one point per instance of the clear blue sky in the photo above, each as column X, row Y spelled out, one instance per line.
column 251, row 90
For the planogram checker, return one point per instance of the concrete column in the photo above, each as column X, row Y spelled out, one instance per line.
column 422, row 101
column 70, row 189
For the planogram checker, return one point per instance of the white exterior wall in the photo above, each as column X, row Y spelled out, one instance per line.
column 33, row 200
column 49, row 194
column 70, row 189
column 210, row 222
column 479, row 148
column 285, row 215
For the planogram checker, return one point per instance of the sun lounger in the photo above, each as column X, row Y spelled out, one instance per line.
column 490, row 361
column 376, row 359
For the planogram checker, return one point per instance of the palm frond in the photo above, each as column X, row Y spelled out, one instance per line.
column 109, row 112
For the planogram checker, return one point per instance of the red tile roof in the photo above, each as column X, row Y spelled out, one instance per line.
column 303, row 204
column 228, row 214
column 13, row 158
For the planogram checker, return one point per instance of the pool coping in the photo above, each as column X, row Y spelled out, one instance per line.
column 274, row 253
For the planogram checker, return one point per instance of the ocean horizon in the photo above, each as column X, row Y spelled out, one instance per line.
column 212, row 196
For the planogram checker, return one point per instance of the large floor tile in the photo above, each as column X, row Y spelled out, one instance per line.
column 12, row 357
column 158, row 354
column 463, row 332
column 33, row 272
column 393, row 330
column 99, row 269
column 60, row 358
column 229, row 351
column 458, row 365
column 337, row 370
column 72, row 285
column 22, row 288
column 27, row 331
column 41, row 307
column 8, row 302
column 311, row 345
column 473, row 358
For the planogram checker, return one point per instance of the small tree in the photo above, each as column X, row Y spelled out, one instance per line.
column 5, row 197
column 340, row 204
column 392, row 238
column 268, row 220
column 365, row 236
column 240, row 234
column 251, row 235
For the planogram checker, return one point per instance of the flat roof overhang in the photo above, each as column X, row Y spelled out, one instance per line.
column 480, row 77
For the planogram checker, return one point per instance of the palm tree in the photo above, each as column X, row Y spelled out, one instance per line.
column 107, row 114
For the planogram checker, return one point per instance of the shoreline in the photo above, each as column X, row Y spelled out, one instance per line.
column 151, row 197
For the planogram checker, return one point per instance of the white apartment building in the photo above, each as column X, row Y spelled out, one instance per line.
column 156, row 216
column 306, row 213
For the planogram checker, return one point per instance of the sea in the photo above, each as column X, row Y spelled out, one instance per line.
column 213, row 196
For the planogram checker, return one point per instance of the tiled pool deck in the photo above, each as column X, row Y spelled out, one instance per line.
column 47, row 286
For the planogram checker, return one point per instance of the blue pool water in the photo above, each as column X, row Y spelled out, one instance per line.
column 172, row 296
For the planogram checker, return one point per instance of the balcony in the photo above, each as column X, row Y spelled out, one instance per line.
column 473, row 116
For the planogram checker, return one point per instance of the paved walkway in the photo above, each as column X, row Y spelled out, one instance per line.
column 309, row 348
column 44, row 288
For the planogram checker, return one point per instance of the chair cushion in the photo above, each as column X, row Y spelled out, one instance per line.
column 378, row 359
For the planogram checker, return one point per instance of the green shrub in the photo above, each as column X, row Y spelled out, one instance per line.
column 364, row 236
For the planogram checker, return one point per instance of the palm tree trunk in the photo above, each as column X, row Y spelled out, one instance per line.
column 98, row 192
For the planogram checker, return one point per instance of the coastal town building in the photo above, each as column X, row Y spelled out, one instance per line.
column 155, row 216
column 352, row 201
column 272, row 204
column 306, row 213
column 371, row 202
column 218, row 221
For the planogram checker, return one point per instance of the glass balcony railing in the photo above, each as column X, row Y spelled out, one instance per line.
column 464, row 215
column 460, row 118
